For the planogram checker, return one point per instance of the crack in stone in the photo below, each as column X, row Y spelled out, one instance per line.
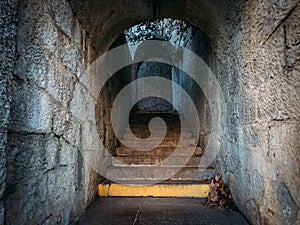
column 281, row 22
column 290, row 195
column 136, row 215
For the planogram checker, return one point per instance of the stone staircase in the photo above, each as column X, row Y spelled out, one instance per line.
column 134, row 168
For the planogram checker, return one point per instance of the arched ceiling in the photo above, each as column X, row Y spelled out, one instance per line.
column 104, row 20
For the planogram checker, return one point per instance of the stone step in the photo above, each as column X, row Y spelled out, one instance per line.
column 156, row 173
column 159, row 132
column 139, row 123
column 196, row 190
column 157, row 138
column 167, row 118
column 158, row 151
column 145, row 134
column 155, row 160
column 137, row 116
column 146, row 124
column 145, row 127
column 170, row 142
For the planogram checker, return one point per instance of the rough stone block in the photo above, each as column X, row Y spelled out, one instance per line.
column 287, row 208
column 36, row 30
column 81, row 188
column 82, row 105
column 233, row 156
column 70, row 57
column 78, row 36
column 68, row 154
column 4, row 103
column 66, row 126
column 51, row 152
column 61, row 121
column 61, row 83
column 31, row 69
column 27, row 202
column 3, row 138
column 31, row 109
column 1, row 213
column 37, row 39
column 61, row 193
column 26, row 157
column 254, row 136
column 292, row 27
column 252, row 211
column 284, row 147
column 284, row 98
column 264, row 102
column 91, row 146
column 246, row 106
column 73, row 133
column 63, row 15
column 293, row 78
column 266, row 16
column 257, row 184
column 270, row 59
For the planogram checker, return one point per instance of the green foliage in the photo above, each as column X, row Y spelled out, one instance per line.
column 163, row 29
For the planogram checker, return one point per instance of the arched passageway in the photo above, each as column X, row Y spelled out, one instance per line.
column 46, row 116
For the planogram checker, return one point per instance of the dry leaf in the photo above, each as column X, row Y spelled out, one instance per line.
column 219, row 195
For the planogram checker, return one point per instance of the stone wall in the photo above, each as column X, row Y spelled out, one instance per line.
column 8, row 20
column 106, row 99
column 255, row 59
column 199, row 43
column 259, row 74
column 154, row 69
column 48, row 180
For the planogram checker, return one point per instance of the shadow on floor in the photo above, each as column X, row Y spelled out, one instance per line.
column 154, row 211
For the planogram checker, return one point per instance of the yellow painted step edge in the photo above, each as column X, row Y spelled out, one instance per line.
column 158, row 190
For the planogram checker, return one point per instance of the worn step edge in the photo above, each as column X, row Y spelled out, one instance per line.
column 157, row 190
column 158, row 151
column 156, row 136
column 141, row 127
column 142, row 144
column 155, row 160
column 156, row 173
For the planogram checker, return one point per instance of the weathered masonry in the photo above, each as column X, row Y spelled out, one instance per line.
column 45, row 47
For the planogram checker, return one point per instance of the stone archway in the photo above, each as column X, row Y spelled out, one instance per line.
column 50, row 43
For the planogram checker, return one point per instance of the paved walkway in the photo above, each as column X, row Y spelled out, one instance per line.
column 155, row 211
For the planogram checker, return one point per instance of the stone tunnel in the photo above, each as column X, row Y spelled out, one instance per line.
column 51, row 109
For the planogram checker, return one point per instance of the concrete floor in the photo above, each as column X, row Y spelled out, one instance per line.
column 154, row 211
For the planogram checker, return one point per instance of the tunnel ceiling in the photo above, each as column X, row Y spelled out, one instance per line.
column 104, row 20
